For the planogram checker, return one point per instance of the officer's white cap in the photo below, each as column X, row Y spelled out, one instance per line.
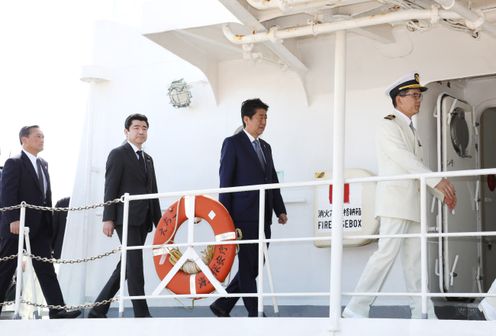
column 408, row 81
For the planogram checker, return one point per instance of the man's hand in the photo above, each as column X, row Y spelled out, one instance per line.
column 108, row 228
column 283, row 218
column 450, row 203
column 447, row 188
column 14, row 227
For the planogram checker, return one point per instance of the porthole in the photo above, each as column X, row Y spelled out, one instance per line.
column 459, row 132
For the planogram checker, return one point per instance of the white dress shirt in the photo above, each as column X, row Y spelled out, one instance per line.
column 135, row 149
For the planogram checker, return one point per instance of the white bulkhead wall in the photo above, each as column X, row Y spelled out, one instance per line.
column 185, row 143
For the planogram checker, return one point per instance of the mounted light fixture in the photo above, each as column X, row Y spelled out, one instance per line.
column 179, row 93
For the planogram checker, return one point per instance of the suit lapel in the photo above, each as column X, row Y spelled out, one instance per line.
column 149, row 171
column 44, row 167
column 413, row 141
column 407, row 134
column 29, row 166
column 417, row 147
column 268, row 157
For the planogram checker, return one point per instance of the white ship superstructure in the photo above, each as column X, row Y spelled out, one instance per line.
column 323, row 67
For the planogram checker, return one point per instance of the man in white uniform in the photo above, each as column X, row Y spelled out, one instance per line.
column 399, row 152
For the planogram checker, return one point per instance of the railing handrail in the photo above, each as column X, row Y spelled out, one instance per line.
column 317, row 238
column 423, row 235
column 257, row 187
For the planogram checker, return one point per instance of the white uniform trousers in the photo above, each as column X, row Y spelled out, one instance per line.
column 380, row 264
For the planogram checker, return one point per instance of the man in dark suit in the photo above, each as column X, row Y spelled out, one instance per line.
column 129, row 170
column 25, row 178
column 247, row 160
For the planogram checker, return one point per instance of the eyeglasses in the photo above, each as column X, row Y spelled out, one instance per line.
column 417, row 96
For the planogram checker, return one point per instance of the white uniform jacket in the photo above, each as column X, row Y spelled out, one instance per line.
column 399, row 152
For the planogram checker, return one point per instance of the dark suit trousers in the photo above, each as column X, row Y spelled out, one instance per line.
column 245, row 280
column 59, row 222
column 134, row 274
column 40, row 245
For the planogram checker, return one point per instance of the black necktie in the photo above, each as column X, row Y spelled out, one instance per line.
column 40, row 176
column 141, row 161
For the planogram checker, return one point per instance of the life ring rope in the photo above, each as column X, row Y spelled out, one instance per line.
column 190, row 266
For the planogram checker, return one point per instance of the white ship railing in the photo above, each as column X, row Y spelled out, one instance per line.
column 334, row 300
column 334, row 314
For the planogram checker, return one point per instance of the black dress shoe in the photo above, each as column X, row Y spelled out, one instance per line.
column 95, row 314
column 64, row 314
column 218, row 311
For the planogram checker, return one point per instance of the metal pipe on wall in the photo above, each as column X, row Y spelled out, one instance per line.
column 473, row 20
column 275, row 34
column 285, row 5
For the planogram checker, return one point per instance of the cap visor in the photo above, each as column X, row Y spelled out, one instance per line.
column 413, row 86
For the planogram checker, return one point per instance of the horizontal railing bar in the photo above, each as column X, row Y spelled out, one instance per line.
column 458, row 173
column 381, row 294
column 429, row 235
column 474, row 295
column 214, row 295
column 422, row 177
column 305, row 294
column 462, row 234
column 227, row 242
column 322, row 238
column 454, row 173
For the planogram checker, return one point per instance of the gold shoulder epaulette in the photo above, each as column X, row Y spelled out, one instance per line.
column 390, row 117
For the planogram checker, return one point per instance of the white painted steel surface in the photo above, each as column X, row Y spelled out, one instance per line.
column 247, row 327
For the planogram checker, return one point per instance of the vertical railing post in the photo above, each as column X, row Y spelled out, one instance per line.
column 261, row 241
column 189, row 205
column 269, row 277
column 29, row 272
column 20, row 249
column 338, row 178
column 423, row 245
column 125, row 224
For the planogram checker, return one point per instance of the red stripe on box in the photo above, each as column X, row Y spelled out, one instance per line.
column 346, row 193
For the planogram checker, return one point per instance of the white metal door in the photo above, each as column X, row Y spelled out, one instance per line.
column 458, row 149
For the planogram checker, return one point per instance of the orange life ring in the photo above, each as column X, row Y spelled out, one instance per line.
column 221, row 222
